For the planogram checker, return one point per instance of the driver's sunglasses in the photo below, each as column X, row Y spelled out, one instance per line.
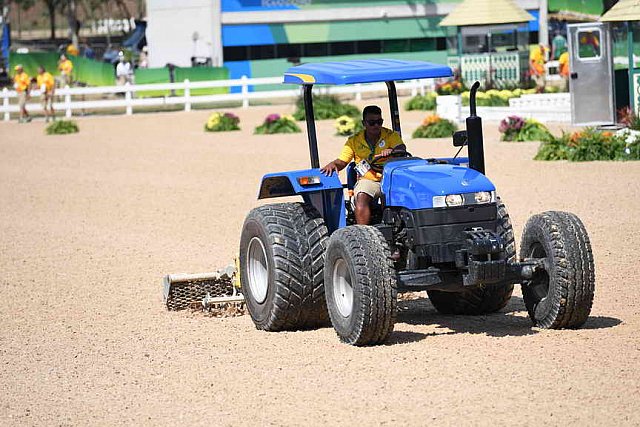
column 374, row 122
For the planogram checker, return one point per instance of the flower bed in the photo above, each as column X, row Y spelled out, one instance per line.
column 219, row 122
column 451, row 87
column 275, row 123
column 515, row 128
column 434, row 126
column 591, row 144
column 62, row 127
column 347, row 126
column 326, row 107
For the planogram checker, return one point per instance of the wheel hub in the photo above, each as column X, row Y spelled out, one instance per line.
column 342, row 288
column 257, row 270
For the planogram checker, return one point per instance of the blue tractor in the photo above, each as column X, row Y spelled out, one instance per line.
column 303, row 265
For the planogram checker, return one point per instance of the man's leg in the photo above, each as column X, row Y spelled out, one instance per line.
column 363, row 208
column 366, row 191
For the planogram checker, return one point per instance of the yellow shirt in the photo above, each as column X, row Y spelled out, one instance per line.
column 45, row 79
column 536, row 59
column 66, row 67
column 356, row 147
column 21, row 82
column 563, row 61
column 72, row 50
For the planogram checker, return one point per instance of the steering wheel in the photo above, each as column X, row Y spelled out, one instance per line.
column 377, row 166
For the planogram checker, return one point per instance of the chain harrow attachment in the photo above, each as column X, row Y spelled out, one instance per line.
column 215, row 292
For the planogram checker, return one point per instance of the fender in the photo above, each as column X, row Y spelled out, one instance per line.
column 325, row 193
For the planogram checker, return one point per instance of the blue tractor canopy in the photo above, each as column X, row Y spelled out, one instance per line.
column 364, row 71
column 353, row 72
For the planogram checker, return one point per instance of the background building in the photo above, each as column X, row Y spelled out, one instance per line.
column 260, row 38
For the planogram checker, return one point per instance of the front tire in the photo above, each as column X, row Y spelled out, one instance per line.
column 282, row 249
column 360, row 285
column 481, row 300
column 561, row 295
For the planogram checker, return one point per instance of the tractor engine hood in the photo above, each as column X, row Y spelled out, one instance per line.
column 412, row 184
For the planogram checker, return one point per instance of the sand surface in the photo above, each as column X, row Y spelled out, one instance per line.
column 90, row 223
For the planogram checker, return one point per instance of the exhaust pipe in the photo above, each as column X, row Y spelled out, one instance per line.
column 474, row 134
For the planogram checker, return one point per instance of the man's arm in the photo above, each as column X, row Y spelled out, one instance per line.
column 337, row 165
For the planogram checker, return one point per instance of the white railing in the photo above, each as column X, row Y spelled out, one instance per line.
column 129, row 100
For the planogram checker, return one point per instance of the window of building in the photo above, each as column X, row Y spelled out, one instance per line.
column 589, row 44
column 342, row 48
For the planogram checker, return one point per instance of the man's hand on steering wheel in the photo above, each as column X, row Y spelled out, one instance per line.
column 384, row 153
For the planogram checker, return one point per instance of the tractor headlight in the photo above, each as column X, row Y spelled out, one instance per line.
column 484, row 196
column 454, row 200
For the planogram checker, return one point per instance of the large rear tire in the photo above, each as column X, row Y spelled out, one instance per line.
column 282, row 251
column 481, row 300
column 561, row 296
column 360, row 285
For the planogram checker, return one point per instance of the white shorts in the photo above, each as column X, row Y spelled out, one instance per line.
column 372, row 188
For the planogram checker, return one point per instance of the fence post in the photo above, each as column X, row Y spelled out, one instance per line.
column 414, row 88
column 358, row 91
column 245, row 92
column 187, row 96
column 5, row 104
column 67, row 102
column 127, row 97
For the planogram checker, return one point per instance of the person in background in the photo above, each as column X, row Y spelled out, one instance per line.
column 537, row 59
column 563, row 68
column 72, row 50
column 123, row 70
column 47, row 85
column 373, row 143
column 558, row 46
column 87, row 51
column 65, row 66
column 21, row 83
column 143, row 60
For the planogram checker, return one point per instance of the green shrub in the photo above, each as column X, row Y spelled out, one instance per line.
column 219, row 122
column 589, row 145
column 515, row 128
column 274, row 123
column 326, row 107
column 434, row 126
column 62, row 127
column 422, row 102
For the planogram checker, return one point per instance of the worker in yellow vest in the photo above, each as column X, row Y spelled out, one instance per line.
column 563, row 68
column 65, row 66
column 21, row 83
column 537, row 59
column 47, row 88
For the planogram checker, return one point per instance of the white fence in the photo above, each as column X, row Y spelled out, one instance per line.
column 67, row 98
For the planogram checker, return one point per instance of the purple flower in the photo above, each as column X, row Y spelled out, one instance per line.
column 230, row 116
column 272, row 118
column 511, row 124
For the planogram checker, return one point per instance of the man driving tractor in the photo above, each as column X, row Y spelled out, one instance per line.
column 371, row 145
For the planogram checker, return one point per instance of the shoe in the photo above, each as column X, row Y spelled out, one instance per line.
column 28, row 119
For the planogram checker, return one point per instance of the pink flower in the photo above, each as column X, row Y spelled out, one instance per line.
column 272, row 118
